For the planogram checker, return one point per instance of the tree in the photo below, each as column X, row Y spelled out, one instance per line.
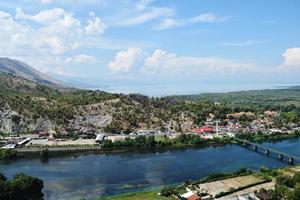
column 150, row 141
column 167, row 191
column 286, row 180
column 21, row 187
column 262, row 194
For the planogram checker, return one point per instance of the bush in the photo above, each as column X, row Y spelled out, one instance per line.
column 168, row 191
column 20, row 187
column 264, row 169
column 285, row 180
column 8, row 154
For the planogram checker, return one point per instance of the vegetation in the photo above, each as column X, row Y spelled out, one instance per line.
column 152, row 195
column 6, row 154
column 286, row 186
column 33, row 101
column 20, row 187
column 259, row 137
column 221, row 176
column 182, row 140
column 168, row 191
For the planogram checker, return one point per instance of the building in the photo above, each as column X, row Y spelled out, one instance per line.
column 204, row 129
column 23, row 142
column 250, row 196
column 9, row 146
column 190, row 196
column 100, row 138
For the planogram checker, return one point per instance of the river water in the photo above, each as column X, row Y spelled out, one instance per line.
column 91, row 176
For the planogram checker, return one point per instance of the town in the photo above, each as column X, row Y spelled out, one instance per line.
column 242, row 123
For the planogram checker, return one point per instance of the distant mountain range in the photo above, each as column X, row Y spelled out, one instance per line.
column 20, row 69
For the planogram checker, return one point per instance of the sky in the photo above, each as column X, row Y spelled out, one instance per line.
column 156, row 47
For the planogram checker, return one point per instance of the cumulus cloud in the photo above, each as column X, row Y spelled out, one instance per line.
column 95, row 26
column 46, row 16
column 292, row 57
column 162, row 62
column 124, row 61
column 58, row 32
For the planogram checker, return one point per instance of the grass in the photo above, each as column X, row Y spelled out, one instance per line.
column 152, row 195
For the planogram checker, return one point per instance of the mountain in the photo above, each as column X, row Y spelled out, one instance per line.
column 20, row 69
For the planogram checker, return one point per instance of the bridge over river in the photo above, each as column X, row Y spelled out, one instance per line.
column 268, row 151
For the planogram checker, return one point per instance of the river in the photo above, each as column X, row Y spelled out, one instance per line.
column 91, row 176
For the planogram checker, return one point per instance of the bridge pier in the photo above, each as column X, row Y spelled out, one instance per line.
column 267, row 151
column 291, row 160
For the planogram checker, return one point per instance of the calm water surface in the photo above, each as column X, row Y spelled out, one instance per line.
column 90, row 176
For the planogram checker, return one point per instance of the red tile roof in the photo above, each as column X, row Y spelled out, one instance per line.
column 204, row 130
column 193, row 197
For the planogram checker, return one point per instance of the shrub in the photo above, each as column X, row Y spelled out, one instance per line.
column 286, row 180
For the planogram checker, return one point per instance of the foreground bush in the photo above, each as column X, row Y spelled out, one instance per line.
column 21, row 187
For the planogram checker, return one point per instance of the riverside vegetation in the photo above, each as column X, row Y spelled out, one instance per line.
column 287, row 185
column 21, row 187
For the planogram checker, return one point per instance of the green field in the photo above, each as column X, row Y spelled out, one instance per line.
column 152, row 195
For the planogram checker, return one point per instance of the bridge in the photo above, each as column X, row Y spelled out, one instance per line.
column 267, row 150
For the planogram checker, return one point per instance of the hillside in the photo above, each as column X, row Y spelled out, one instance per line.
column 26, row 106
column 287, row 96
column 20, row 69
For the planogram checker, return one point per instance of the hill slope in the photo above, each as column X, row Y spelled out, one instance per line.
column 20, row 69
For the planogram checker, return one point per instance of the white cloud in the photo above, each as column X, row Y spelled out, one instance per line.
column 208, row 18
column 124, row 61
column 82, row 58
column 168, row 23
column 146, row 16
column 162, row 62
column 46, row 1
column 292, row 57
column 242, row 43
column 58, row 32
column 95, row 26
column 44, row 17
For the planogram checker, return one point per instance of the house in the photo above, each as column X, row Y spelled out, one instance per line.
column 100, row 138
column 229, row 134
column 190, row 196
column 204, row 129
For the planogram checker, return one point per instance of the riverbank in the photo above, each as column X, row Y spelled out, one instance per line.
column 228, row 187
column 177, row 143
column 149, row 195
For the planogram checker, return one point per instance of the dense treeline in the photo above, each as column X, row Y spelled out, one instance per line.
column 21, row 187
column 151, row 142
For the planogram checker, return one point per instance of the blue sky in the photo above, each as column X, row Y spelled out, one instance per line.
column 156, row 46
